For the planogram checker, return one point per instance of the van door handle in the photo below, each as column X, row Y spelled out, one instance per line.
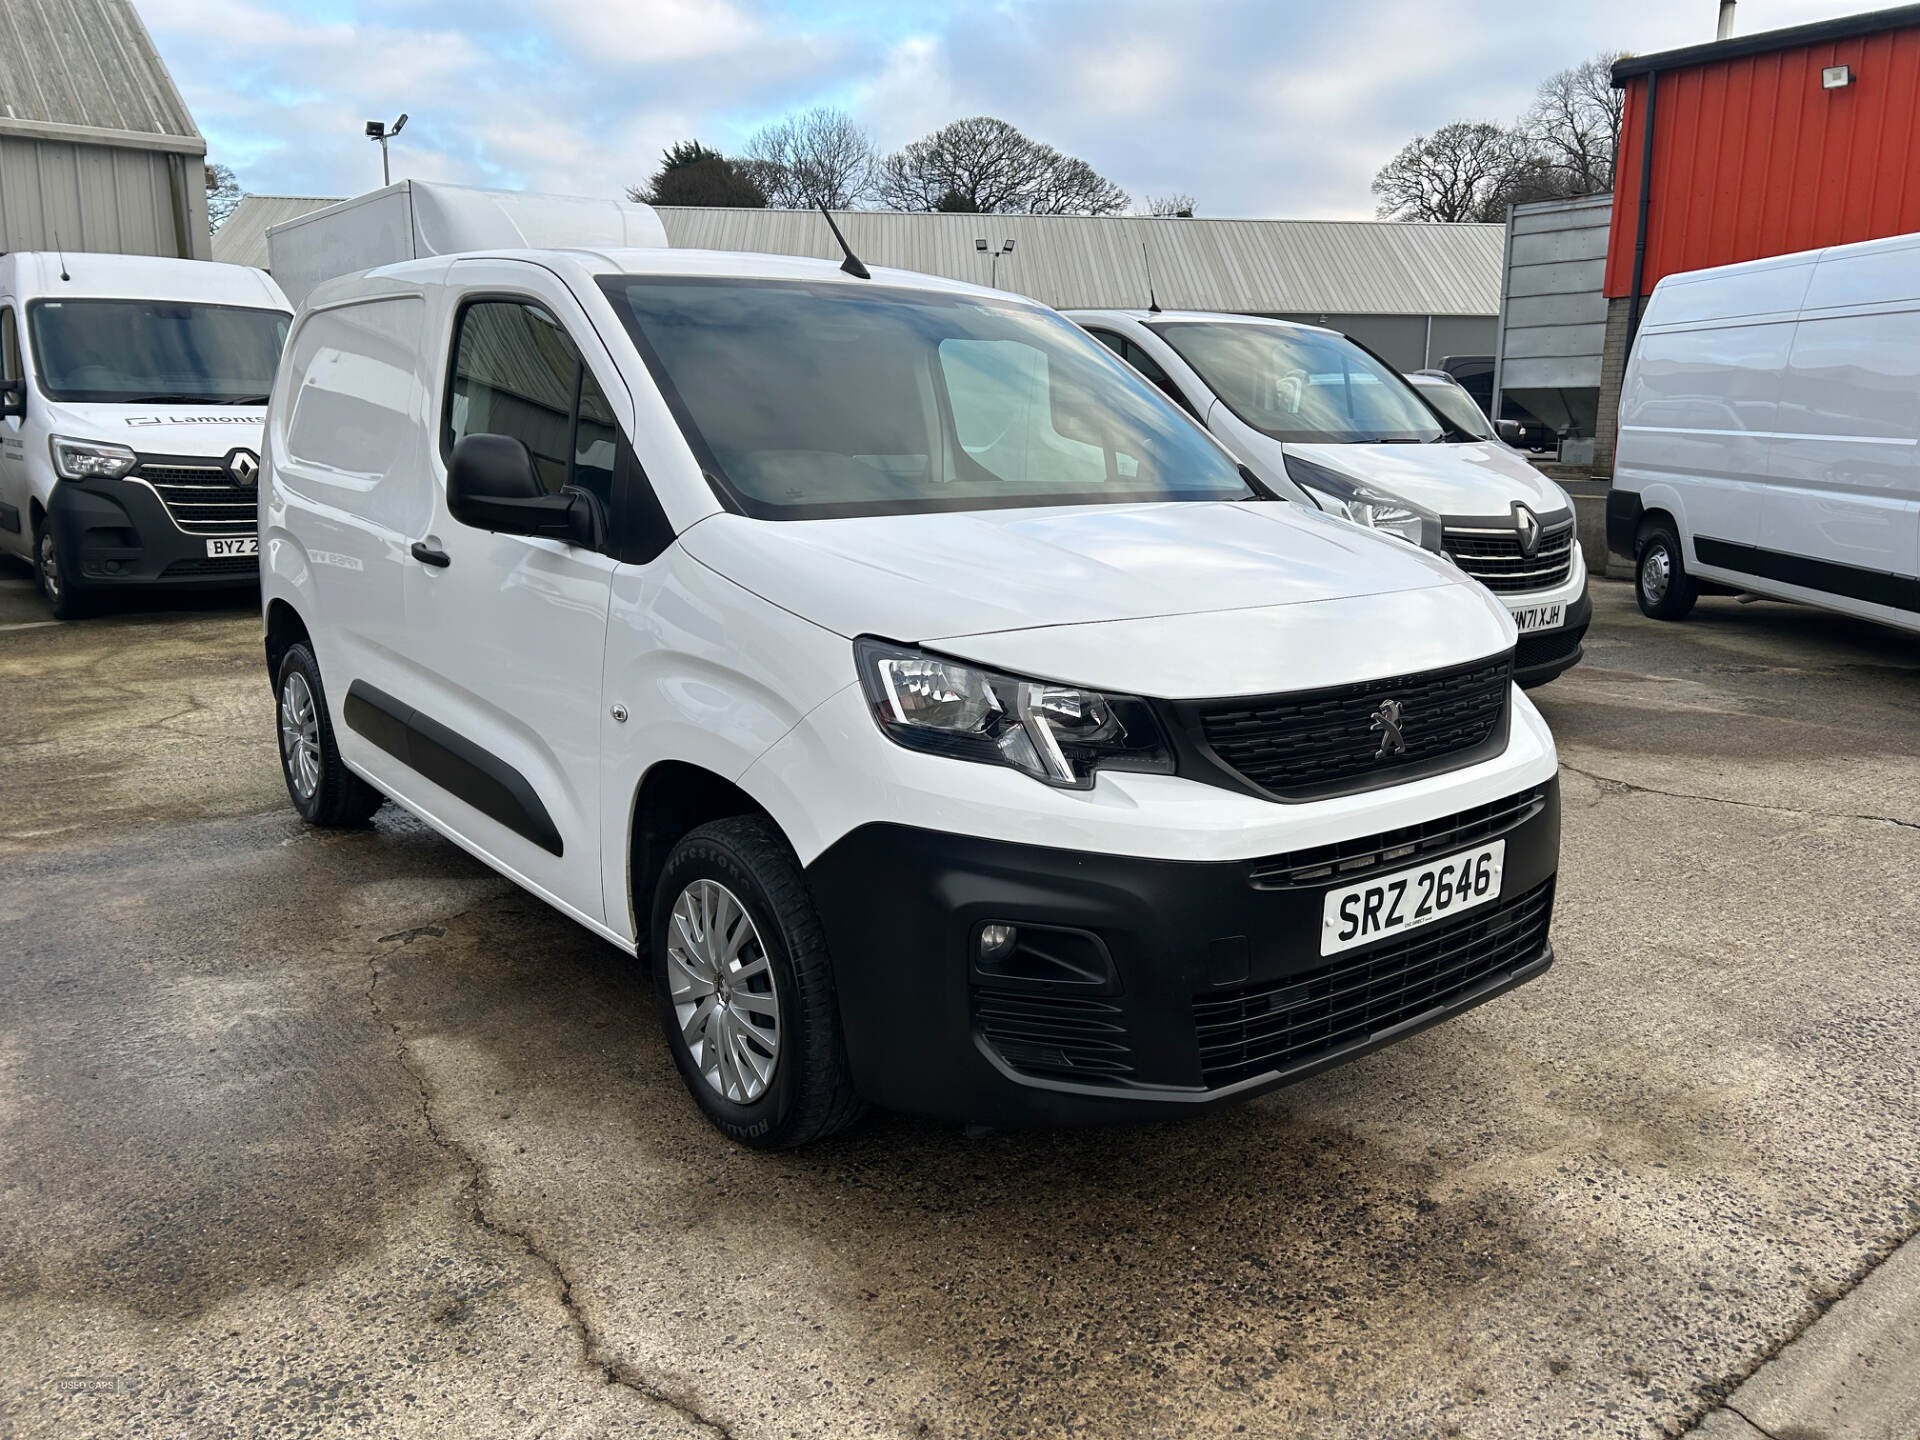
column 422, row 552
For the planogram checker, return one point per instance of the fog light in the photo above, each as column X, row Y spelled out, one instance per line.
column 996, row 941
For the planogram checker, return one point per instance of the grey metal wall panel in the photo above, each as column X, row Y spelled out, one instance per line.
column 1581, row 307
column 243, row 239
column 1462, row 335
column 1566, row 278
column 1247, row 266
column 1558, row 372
column 1556, row 340
column 89, row 197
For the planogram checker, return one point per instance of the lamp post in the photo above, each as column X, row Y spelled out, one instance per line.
column 377, row 130
column 993, row 259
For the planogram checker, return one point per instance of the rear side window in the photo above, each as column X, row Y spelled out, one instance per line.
column 355, row 393
column 515, row 372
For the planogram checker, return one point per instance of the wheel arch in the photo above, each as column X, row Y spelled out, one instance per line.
column 674, row 797
column 284, row 629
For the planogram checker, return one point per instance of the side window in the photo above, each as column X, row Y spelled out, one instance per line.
column 1149, row 367
column 515, row 372
column 9, row 345
column 1112, row 341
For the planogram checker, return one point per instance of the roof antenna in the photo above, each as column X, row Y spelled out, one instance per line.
column 1153, row 305
column 852, row 263
column 62, row 254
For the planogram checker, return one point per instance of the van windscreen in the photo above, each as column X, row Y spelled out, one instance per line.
column 1299, row 385
column 154, row 352
column 807, row 400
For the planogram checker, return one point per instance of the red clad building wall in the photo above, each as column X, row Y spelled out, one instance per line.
column 1751, row 157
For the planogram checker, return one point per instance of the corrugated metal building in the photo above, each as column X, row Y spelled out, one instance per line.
column 243, row 239
column 97, row 149
column 1415, row 293
column 1759, row 145
column 1553, row 316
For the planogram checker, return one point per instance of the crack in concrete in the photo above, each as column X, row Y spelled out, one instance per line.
column 1631, row 788
column 1731, row 1410
column 612, row 1371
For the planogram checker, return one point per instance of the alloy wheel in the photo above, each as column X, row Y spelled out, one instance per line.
column 49, row 566
column 724, row 997
column 300, row 736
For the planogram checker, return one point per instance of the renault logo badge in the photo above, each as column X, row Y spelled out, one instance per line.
column 1386, row 724
column 242, row 466
column 1528, row 524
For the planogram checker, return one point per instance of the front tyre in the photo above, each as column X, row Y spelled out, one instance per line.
column 64, row 594
column 323, row 790
column 745, row 988
column 1660, row 580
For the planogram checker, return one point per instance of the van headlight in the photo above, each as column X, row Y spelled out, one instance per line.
column 1366, row 504
column 1058, row 734
column 90, row 459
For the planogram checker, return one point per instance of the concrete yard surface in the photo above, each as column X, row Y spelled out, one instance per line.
column 338, row 1134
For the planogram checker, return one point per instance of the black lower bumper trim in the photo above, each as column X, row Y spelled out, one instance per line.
column 117, row 533
column 1539, row 657
column 903, row 908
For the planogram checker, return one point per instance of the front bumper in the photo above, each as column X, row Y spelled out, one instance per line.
column 1539, row 657
column 117, row 532
column 1178, row 984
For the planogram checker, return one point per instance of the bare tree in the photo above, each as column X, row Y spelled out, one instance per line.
column 1170, row 207
column 818, row 158
column 223, row 194
column 1463, row 171
column 1573, row 126
column 987, row 165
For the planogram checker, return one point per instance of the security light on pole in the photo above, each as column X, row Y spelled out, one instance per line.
column 377, row 130
column 993, row 262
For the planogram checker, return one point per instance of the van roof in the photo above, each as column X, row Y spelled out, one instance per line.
column 35, row 274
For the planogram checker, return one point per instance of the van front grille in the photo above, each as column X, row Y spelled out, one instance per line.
column 200, row 496
column 1351, row 737
column 1345, row 1003
column 1349, row 860
column 1494, row 558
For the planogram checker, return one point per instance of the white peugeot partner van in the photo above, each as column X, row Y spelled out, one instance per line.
column 1770, row 434
column 1296, row 403
column 132, row 392
column 951, row 721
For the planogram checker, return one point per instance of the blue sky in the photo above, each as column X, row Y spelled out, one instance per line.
column 1256, row 107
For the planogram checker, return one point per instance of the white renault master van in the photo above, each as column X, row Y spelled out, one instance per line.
column 1770, row 434
column 1306, row 407
column 951, row 721
column 132, row 392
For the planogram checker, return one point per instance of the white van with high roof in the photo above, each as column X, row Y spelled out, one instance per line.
column 132, row 392
column 1316, row 415
column 1770, row 434
column 955, row 726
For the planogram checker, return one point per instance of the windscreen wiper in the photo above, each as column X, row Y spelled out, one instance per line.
column 243, row 400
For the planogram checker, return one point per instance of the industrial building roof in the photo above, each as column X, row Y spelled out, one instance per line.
column 242, row 240
column 86, row 71
column 1290, row 267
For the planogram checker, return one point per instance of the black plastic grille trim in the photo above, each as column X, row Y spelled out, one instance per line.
column 1494, row 559
column 1054, row 1036
column 1319, row 742
column 1342, row 1004
column 201, row 498
column 215, row 565
column 1348, row 860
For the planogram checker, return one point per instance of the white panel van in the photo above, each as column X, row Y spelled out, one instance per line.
column 956, row 727
column 1769, row 423
column 132, row 392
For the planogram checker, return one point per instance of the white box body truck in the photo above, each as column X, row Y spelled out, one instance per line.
column 415, row 219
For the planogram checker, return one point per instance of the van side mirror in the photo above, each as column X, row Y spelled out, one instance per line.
column 1507, row 430
column 13, row 398
column 491, row 485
